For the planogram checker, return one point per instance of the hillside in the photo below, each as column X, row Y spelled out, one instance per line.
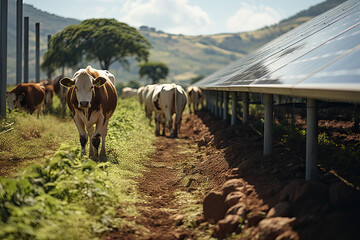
column 186, row 56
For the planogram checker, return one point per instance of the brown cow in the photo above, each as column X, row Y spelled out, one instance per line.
column 60, row 91
column 92, row 99
column 26, row 96
column 49, row 93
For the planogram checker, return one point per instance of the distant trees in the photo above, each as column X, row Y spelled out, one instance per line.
column 105, row 40
column 154, row 71
column 196, row 78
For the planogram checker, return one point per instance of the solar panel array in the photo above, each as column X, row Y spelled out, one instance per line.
column 319, row 59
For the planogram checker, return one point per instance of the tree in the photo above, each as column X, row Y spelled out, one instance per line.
column 154, row 71
column 105, row 40
column 196, row 79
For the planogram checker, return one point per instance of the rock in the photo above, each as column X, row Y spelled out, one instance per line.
column 227, row 226
column 281, row 209
column 271, row 228
column 255, row 217
column 288, row 235
column 214, row 207
column 238, row 209
column 288, row 192
column 231, row 185
column 233, row 198
column 309, row 198
column 179, row 219
column 205, row 140
column 343, row 196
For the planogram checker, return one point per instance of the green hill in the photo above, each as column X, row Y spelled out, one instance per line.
column 186, row 56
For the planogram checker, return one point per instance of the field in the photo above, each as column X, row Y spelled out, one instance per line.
column 159, row 187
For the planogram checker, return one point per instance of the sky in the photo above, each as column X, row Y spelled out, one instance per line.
column 188, row 17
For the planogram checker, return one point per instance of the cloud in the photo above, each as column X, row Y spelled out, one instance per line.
column 176, row 16
column 251, row 17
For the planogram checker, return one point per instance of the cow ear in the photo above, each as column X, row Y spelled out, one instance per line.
column 99, row 81
column 67, row 82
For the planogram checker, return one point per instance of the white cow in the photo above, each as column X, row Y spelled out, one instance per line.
column 169, row 99
column 128, row 92
column 147, row 96
column 195, row 96
column 140, row 95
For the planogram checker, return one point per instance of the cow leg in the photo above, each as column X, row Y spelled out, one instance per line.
column 90, row 130
column 95, row 140
column 189, row 107
column 157, row 123
column 163, row 122
column 103, row 136
column 82, row 133
column 38, row 110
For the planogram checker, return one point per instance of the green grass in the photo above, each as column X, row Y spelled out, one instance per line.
column 73, row 197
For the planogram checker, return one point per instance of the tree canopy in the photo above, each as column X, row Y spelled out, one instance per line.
column 154, row 71
column 105, row 40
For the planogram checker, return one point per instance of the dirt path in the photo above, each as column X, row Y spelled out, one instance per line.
column 172, row 187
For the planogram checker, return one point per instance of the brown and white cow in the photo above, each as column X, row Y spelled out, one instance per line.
column 26, row 96
column 92, row 99
column 169, row 99
column 60, row 91
column 195, row 96
column 49, row 93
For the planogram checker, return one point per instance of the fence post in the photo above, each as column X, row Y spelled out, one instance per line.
column 26, row 49
column 19, row 17
column 37, row 52
column 3, row 56
column 233, row 108
column 268, row 121
column 226, row 105
column 311, row 139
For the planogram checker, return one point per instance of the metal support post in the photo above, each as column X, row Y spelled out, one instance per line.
column 221, row 101
column 233, row 108
column 268, row 124
column 19, row 19
column 311, row 139
column 3, row 56
column 226, row 105
column 37, row 52
column 26, row 49
column 245, row 97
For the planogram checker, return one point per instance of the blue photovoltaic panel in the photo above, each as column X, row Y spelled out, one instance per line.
column 321, row 52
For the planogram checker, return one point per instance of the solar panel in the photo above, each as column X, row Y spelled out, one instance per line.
column 319, row 59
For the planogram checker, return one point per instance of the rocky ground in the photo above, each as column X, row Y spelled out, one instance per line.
column 241, row 191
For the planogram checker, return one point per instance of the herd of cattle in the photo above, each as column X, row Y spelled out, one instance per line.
column 92, row 99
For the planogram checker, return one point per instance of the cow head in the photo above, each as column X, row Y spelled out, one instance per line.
column 84, row 85
column 13, row 100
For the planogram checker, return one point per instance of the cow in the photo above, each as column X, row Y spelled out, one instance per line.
column 102, row 73
column 169, row 99
column 128, row 92
column 140, row 95
column 195, row 96
column 60, row 91
column 49, row 93
column 92, row 99
column 147, row 96
column 26, row 96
